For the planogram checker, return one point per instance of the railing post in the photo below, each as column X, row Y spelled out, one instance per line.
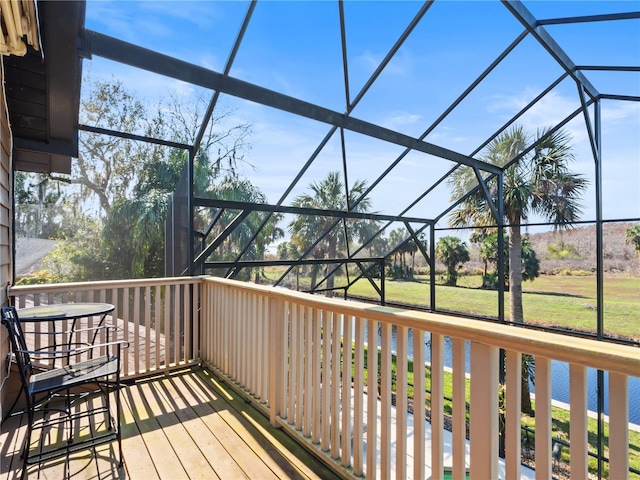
column 483, row 429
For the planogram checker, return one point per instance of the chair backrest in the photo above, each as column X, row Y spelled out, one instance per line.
column 18, row 343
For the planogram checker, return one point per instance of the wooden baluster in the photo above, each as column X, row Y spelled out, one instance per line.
column 358, row 394
column 372, row 399
column 419, row 419
column 293, row 363
column 335, row 385
column 513, row 414
column 316, row 399
column 459, row 408
column 578, row 418
column 308, row 367
column 156, row 325
column 543, row 418
column 347, row 426
column 618, row 426
column 401, row 402
column 385, row 393
column 483, row 428
column 437, row 406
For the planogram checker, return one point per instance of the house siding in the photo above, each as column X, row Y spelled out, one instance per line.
column 6, row 194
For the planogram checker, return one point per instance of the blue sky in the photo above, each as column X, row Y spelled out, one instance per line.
column 294, row 48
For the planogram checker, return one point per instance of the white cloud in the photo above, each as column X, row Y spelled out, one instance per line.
column 401, row 64
column 399, row 120
column 203, row 16
column 616, row 112
column 549, row 110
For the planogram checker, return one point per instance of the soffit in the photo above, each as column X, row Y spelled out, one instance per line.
column 43, row 91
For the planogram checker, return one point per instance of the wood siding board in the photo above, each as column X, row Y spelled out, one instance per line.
column 6, row 271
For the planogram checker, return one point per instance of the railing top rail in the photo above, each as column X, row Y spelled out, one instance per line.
column 105, row 284
column 622, row 359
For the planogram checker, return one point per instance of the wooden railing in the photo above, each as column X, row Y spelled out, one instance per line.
column 302, row 359
column 288, row 350
column 158, row 317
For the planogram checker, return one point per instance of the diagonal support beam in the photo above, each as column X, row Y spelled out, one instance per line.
column 590, row 18
column 199, row 260
column 129, row 54
column 526, row 18
column 487, row 194
column 419, row 244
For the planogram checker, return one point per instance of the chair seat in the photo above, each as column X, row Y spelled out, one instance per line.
column 72, row 375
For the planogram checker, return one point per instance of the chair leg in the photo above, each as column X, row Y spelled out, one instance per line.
column 118, row 414
column 68, row 408
column 106, row 392
column 27, row 440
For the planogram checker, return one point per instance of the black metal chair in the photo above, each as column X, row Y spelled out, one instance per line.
column 66, row 395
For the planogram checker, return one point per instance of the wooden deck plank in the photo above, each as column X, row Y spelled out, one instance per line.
column 248, row 440
column 139, row 464
column 176, row 425
column 11, row 439
column 192, row 460
column 157, row 444
column 209, row 436
column 290, row 460
column 80, row 465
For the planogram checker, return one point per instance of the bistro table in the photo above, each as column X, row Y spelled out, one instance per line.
column 53, row 321
column 64, row 311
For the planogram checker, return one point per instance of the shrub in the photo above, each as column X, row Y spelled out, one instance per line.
column 562, row 251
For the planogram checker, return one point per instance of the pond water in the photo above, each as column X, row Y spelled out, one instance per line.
column 559, row 378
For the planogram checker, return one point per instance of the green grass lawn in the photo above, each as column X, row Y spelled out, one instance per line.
column 564, row 301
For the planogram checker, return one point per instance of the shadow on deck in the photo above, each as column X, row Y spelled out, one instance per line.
column 177, row 425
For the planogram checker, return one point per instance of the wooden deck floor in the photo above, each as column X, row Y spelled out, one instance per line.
column 183, row 425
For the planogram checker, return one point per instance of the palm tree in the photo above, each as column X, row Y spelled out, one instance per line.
column 452, row 252
column 540, row 183
column 328, row 194
column 633, row 237
column 242, row 190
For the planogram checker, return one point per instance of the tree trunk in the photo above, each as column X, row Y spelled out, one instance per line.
column 333, row 248
column 515, row 273
column 314, row 276
column 515, row 300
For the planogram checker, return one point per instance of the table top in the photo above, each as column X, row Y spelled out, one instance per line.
column 63, row 311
